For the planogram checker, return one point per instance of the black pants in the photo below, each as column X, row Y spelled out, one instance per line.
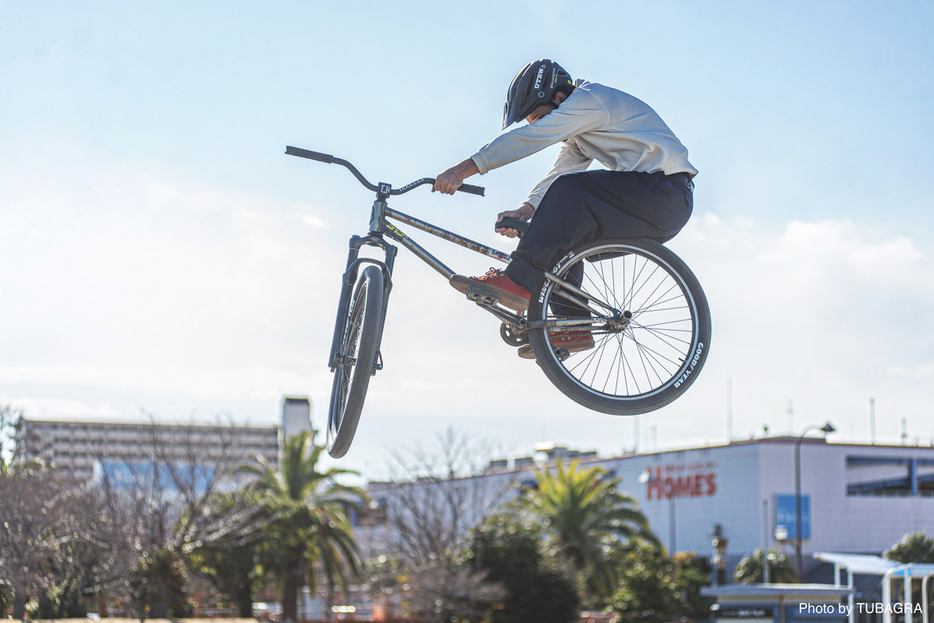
column 594, row 205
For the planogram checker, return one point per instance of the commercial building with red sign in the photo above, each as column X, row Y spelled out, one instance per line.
column 853, row 498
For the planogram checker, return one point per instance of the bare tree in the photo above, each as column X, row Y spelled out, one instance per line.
column 9, row 420
column 431, row 504
column 42, row 519
column 33, row 527
column 169, row 510
column 127, row 532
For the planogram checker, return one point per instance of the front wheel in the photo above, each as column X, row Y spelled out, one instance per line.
column 356, row 361
column 648, row 318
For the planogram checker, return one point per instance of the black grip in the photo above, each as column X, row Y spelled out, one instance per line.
column 514, row 223
column 311, row 155
column 473, row 190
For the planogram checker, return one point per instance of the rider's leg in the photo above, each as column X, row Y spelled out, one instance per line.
column 561, row 307
column 594, row 205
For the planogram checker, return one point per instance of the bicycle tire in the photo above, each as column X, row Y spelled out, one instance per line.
column 357, row 360
column 661, row 349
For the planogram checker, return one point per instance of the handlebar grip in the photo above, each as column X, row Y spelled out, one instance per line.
column 473, row 190
column 514, row 223
column 311, row 155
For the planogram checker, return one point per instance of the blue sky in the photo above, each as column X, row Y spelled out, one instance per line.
column 158, row 251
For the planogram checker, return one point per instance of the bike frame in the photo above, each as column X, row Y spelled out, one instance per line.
column 381, row 229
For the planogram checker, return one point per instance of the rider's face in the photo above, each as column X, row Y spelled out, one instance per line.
column 539, row 112
column 544, row 109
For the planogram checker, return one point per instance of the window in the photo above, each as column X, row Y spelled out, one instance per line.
column 889, row 476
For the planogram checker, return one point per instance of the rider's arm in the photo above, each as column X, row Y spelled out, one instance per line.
column 581, row 112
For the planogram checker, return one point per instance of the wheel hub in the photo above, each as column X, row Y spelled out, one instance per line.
column 619, row 322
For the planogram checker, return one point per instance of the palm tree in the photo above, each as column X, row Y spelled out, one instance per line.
column 312, row 528
column 587, row 517
column 914, row 547
column 750, row 569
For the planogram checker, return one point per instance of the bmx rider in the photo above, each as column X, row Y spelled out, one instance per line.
column 646, row 190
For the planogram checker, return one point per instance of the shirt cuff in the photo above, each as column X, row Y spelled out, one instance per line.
column 482, row 165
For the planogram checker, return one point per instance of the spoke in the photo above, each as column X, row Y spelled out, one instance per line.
column 632, row 373
column 636, row 277
column 657, row 355
column 609, row 296
column 645, row 283
column 586, row 359
column 665, row 335
column 649, row 305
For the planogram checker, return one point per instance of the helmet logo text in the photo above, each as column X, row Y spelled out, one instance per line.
column 539, row 76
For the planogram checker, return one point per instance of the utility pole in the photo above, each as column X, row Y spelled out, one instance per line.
column 729, row 410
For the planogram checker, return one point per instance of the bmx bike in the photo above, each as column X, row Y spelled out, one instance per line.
column 643, row 306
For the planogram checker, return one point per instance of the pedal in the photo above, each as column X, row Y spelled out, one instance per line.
column 481, row 296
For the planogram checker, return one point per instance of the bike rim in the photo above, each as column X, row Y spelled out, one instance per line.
column 646, row 345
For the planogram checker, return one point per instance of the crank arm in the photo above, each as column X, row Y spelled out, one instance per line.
column 503, row 315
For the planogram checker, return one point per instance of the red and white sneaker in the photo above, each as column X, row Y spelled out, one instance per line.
column 496, row 286
column 571, row 340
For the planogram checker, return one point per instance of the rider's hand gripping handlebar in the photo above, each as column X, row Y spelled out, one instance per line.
column 514, row 223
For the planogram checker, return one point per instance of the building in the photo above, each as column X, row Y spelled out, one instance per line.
column 296, row 416
column 76, row 447
column 80, row 447
column 854, row 498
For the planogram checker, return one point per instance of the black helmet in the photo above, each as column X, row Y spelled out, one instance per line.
column 535, row 85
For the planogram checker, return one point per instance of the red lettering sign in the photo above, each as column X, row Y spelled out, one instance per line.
column 672, row 481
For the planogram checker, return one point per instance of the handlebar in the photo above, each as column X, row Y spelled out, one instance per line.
column 328, row 159
column 514, row 223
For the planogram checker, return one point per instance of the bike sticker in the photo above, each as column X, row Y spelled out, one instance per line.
column 554, row 271
column 394, row 230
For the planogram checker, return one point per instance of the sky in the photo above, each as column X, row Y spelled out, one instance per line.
column 159, row 254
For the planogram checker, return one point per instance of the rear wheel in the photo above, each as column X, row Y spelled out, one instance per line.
column 356, row 360
column 651, row 336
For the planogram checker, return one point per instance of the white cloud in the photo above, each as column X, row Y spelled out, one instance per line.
column 820, row 313
column 187, row 299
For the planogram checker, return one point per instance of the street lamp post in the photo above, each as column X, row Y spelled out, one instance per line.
column 826, row 429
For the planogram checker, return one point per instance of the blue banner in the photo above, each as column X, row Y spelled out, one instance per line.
column 785, row 515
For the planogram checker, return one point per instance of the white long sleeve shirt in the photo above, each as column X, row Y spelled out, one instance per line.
column 595, row 122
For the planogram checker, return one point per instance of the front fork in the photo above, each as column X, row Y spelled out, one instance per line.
column 348, row 280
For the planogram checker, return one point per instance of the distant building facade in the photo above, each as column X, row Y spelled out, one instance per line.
column 296, row 416
column 854, row 498
column 77, row 447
